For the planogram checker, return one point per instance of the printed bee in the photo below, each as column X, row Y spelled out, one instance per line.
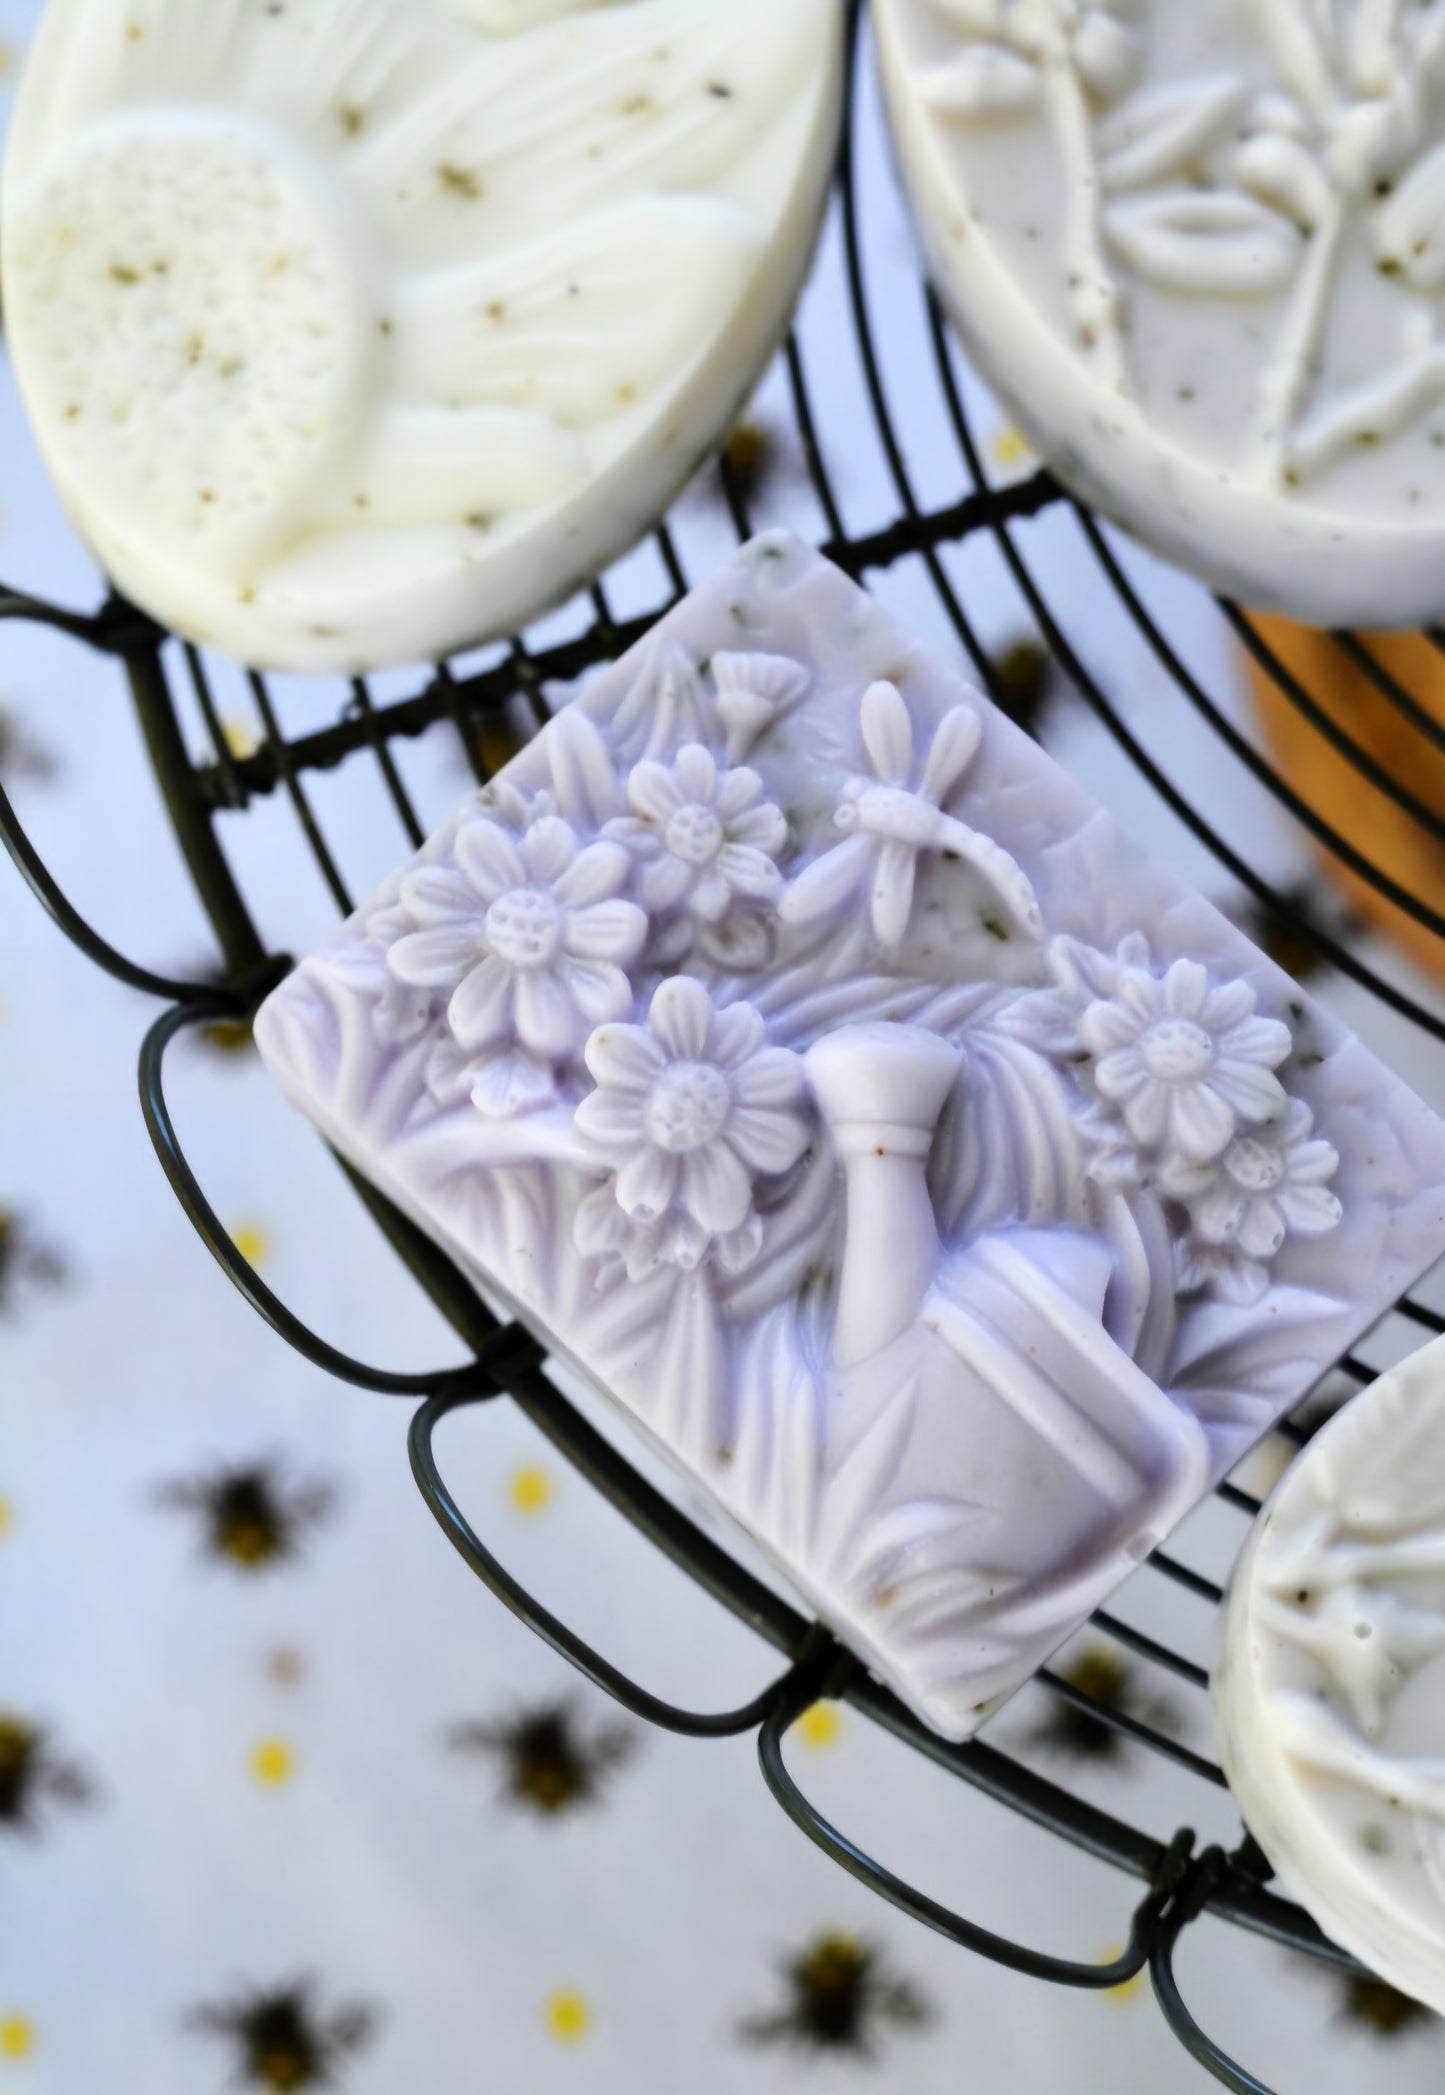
column 281, row 2041
column 550, row 1762
column 27, row 1264
column 31, row 1771
column 22, row 756
column 1110, row 1681
column 252, row 1516
column 1379, row 2007
column 841, row 1996
column 1026, row 683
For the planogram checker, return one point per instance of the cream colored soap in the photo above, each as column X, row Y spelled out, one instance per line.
column 355, row 331
column 1200, row 251
column 1329, row 1682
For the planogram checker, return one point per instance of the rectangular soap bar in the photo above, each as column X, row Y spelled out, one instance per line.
column 950, row 1191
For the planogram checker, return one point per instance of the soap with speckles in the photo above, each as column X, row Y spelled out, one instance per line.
column 357, row 331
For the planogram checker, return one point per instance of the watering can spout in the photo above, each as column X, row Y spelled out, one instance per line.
column 881, row 1090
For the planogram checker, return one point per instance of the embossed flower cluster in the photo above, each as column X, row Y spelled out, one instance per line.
column 1179, row 1075
column 520, row 958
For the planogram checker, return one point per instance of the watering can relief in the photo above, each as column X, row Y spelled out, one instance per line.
column 952, row 1194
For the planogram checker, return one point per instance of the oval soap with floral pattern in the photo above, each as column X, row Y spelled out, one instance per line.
column 1199, row 251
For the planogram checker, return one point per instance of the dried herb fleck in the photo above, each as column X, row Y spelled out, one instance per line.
column 252, row 1516
column 32, row 1772
column 550, row 1761
column 841, row 1996
column 280, row 2040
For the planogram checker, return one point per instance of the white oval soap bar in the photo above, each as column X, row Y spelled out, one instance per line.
column 1329, row 1681
column 355, row 331
column 1199, row 250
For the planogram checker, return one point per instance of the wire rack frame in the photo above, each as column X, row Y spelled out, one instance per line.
column 1180, row 1881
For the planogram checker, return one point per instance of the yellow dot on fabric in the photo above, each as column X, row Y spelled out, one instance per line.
column 821, row 1726
column 272, row 1763
column 252, row 1243
column 531, row 1489
column 1125, row 1991
column 7, row 1518
column 1011, row 447
column 568, row 2016
column 17, row 2037
column 240, row 738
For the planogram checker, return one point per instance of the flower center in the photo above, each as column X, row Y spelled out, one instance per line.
column 1254, row 1166
column 524, row 927
column 695, row 835
column 688, row 1107
column 1176, row 1051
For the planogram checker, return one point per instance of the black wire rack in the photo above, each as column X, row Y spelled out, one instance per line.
column 168, row 684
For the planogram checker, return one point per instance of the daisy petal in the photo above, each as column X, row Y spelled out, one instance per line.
column 1309, row 1210
column 711, row 898
column 666, row 881
column 653, row 791
column 680, row 1016
column 547, row 1019
column 1120, row 1074
column 1262, row 1040
column 626, row 1057
column 737, row 791
column 1226, row 1006
column 887, row 733
column 1185, row 988
column 1103, row 1028
column 736, row 1031
column 509, row 1086
column 716, row 1189
column 435, row 959
column 480, row 1012
column 598, row 989
column 489, row 858
column 594, row 875
column 549, row 848
column 1261, row 1230
column 647, row 1182
column 605, row 930
column 437, row 895
column 765, row 827
column 1201, row 1123
column 772, row 1078
column 1241, row 1282
column 748, row 871
column 766, row 1141
column 1146, row 1113
column 611, row 1119
column 1255, row 1094
column 1312, row 1163
column 1217, row 1214
column 696, row 774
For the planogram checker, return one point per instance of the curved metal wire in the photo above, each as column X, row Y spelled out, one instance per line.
column 816, row 1652
column 1179, row 1885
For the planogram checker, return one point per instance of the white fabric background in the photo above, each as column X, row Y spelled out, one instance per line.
column 384, row 1866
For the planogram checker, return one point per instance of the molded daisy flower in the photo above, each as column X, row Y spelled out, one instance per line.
column 1265, row 1187
column 1185, row 1063
column 708, row 841
column 528, row 935
column 689, row 1109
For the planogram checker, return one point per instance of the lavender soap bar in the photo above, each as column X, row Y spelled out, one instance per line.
column 952, row 1193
